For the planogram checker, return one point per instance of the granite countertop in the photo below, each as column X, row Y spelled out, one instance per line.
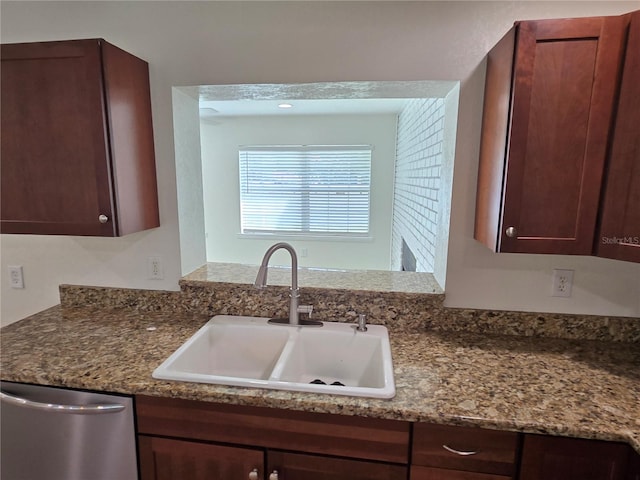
column 577, row 388
column 368, row 280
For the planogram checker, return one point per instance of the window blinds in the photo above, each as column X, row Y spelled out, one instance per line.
column 305, row 189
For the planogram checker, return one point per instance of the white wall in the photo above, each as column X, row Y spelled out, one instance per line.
column 186, row 127
column 193, row 43
column 220, row 139
column 419, row 159
column 446, row 185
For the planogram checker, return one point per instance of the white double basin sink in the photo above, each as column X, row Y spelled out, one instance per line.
column 249, row 352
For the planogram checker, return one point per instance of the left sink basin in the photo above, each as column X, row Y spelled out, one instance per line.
column 231, row 350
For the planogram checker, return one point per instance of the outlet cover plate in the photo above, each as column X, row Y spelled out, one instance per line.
column 562, row 283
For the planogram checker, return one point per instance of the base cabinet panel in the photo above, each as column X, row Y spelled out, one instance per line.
column 215, row 441
column 293, row 466
column 428, row 473
column 317, row 433
column 557, row 458
column 633, row 469
column 186, row 439
column 169, row 459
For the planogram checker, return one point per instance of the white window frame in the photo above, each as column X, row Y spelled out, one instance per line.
column 278, row 195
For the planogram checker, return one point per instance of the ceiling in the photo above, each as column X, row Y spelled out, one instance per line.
column 233, row 108
column 326, row 98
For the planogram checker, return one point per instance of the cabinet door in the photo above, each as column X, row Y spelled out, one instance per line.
column 565, row 81
column 428, row 473
column 77, row 140
column 292, row 466
column 55, row 172
column 167, row 459
column 619, row 236
column 541, row 186
column 560, row 458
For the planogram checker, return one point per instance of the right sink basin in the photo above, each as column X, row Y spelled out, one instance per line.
column 247, row 351
column 335, row 354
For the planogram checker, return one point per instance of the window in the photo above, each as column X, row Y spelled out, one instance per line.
column 308, row 190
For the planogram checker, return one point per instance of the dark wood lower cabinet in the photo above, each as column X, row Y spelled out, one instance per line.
column 195, row 440
column 428, row 473
column 558, row 458
column 463, row 453
column 170, row 459
column 633, row 469
column 294, row 466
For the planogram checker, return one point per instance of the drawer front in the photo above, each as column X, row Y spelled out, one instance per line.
column 428, row 473
column 465, row 448
column 347, row 436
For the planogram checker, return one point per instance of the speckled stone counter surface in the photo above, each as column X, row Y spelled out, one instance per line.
column 403, row 300
column 367, row 280
column 587, row 389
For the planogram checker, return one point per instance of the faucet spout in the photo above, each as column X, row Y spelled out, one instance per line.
column 261, row 278
column 294, row 294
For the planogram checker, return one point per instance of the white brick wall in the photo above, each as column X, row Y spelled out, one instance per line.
column 417, row 181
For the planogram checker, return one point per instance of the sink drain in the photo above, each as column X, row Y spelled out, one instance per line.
column 317, row 381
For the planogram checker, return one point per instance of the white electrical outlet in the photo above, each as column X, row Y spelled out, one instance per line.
column 155, row 269
column 562, row 283
column 15, row 276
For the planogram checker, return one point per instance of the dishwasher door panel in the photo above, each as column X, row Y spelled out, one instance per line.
column 60, row 434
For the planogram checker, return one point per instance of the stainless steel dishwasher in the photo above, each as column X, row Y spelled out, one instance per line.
column 60, row 434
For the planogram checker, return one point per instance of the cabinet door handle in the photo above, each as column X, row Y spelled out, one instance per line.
column 459, row 452
column 254, row 474
column 511, row 232
column 103, row 218
column 274, row 475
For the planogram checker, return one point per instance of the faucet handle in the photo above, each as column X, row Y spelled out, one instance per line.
column 362, row 323
column 305, row 309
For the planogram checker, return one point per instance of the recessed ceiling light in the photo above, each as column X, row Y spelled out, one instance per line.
column 285, row 105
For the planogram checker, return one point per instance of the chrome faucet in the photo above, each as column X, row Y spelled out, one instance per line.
column 294, row 309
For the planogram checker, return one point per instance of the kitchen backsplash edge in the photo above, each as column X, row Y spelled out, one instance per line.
column 406, row 312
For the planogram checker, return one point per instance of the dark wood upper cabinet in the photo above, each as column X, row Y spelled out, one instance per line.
column 550, row 99
column 77, row 140
column 619, row 235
